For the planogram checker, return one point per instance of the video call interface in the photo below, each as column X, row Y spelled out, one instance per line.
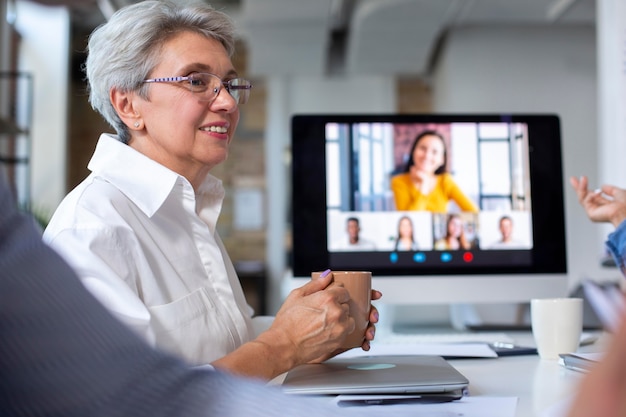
column 476, row 212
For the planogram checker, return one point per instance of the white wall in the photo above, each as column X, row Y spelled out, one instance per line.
column 535, row 70
column 611, row 54
column 44, row 52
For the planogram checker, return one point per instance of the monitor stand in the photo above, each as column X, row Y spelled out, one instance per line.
column 454, row 317
column 464, row 315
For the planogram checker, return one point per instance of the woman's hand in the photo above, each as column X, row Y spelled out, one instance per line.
column 311, row 326
column 315, row 320
column 423, row 181
column 370, row 333
column 607, row 204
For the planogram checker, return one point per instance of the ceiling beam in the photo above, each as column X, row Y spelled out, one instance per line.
column 558, row 8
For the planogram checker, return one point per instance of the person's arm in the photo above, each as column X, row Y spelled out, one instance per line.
column 616, row 244
column 309, row 328
column 102, row 256
column 312, row 322
column 455, row 194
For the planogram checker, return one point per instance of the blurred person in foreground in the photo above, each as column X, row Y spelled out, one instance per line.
column 603, row 391
column 140, row 230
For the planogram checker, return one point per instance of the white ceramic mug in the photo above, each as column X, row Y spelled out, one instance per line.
column 557, row 324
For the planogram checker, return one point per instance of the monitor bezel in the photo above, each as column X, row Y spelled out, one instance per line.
column 309, row 240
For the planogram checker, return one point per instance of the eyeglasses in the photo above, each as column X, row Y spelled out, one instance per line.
column 208, row 86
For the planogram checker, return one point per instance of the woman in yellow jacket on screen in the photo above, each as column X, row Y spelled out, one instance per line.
column 425, row 184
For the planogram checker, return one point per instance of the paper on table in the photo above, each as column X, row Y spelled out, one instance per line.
column 469, row 406
column 590, row 356
column 582, row 362
column 448, row 350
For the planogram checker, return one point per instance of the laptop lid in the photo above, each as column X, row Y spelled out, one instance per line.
column 415, row 374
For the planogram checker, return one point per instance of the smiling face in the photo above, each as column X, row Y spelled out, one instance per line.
column 178, row 129
column 428, row 154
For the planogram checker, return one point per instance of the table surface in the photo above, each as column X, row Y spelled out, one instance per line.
column 537, row 383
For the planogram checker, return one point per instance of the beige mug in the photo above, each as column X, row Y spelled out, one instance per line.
column 359, row 286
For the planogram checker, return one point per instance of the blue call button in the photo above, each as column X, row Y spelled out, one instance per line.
column 419, row 257
column 446, row 257
column 393, row 257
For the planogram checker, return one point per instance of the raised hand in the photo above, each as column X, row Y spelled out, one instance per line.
column 607, row 204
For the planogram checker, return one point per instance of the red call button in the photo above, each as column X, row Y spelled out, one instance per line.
column 468, row 256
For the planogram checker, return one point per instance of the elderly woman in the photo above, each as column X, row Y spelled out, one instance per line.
column 140, row 230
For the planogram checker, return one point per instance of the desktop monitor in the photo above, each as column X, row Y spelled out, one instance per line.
column 508, row 166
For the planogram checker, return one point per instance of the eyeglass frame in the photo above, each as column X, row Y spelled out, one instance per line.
column 227, row 85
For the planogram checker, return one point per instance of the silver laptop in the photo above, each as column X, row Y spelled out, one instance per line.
column 415, row 374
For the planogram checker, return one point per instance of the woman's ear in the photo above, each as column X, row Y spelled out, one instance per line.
column 125, row 106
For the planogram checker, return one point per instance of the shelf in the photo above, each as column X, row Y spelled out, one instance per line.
column 16, row 102
column 10, row 128
column 13, row 160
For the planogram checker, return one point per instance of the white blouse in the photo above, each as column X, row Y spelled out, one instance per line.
column 147, row 247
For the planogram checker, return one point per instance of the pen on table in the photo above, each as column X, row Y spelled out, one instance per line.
column 511, row 349
column 506, row 345
column 503, row 345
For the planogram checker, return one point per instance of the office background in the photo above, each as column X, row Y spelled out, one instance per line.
column 537, row 56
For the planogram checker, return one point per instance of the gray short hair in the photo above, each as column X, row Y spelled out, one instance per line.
column 123, row 51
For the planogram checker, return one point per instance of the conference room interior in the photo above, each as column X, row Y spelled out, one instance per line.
column 350, row 56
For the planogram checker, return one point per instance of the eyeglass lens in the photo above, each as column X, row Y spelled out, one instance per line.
column 210, row 85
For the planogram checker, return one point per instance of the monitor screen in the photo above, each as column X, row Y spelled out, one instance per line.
column 441, row 208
